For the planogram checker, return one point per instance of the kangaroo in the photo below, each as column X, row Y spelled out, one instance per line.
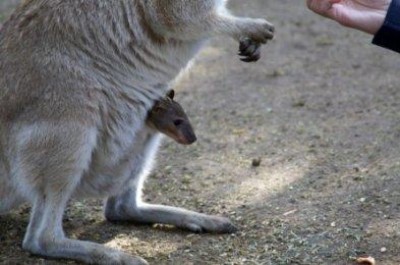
column 77, row 81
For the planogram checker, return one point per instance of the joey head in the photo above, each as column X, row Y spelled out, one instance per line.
column 168, row 117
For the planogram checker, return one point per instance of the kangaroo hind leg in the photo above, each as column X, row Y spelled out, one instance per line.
column 9, row 196
column 128, row 206
column 51, row 160
column 9, row 199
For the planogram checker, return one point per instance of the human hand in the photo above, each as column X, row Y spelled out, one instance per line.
column 364, row 15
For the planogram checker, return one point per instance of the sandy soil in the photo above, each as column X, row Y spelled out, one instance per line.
column 320, row 111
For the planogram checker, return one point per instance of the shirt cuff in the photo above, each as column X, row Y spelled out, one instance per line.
column 388, row 36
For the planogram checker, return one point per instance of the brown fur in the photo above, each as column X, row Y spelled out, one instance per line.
column 168, row 117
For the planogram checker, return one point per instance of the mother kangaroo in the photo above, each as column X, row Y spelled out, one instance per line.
column 77, row 79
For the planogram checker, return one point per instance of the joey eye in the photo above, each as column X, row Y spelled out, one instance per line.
column 178, row 122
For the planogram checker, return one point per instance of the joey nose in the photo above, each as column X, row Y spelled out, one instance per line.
column 188, row 135
column 191, row 138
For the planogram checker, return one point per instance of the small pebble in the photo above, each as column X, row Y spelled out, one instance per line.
column 256, row 162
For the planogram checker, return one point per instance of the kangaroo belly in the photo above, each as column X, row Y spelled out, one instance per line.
column 119, row 160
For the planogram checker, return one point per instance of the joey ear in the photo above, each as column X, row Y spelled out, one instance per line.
column 171, row 94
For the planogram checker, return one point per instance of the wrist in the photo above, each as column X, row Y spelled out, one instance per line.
column 374, row 22
column 388, row 35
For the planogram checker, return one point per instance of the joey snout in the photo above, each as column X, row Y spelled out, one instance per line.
column 182, row 132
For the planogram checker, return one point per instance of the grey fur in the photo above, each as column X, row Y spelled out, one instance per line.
column 77, row 78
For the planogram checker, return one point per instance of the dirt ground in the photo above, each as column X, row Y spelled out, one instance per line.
column 319, row 111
